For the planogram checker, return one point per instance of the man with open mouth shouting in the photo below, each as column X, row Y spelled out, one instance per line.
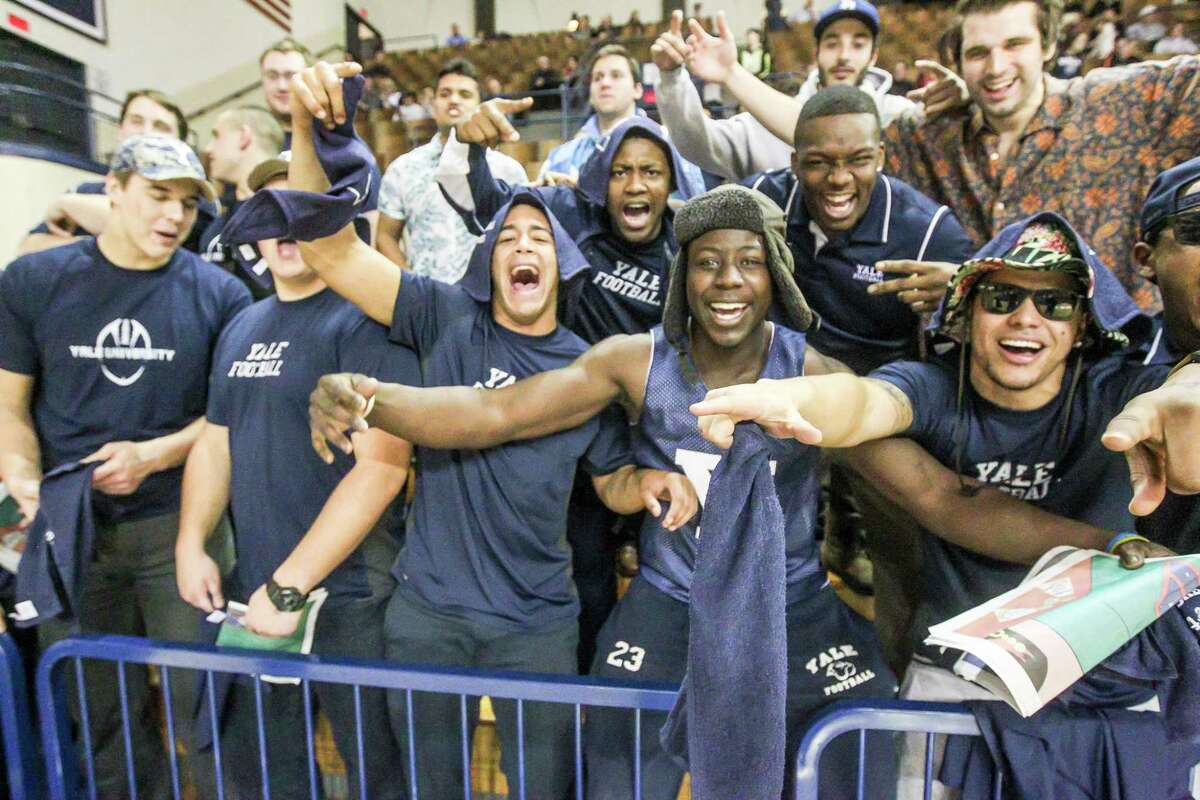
column 484, row 578
column 618, row 213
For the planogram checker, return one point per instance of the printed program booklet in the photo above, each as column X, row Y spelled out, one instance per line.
column 233, row 632
column 1074, row 609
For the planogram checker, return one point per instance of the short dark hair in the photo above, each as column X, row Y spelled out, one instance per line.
column 1049, row 16
column 162, row 100
column 288, row 45
column 635, row 69
column 834, row 101
column 458, row 66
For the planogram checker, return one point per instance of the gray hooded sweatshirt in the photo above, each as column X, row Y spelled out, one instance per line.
column 741, row 146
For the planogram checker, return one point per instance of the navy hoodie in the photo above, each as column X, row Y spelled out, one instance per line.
column 627, row 284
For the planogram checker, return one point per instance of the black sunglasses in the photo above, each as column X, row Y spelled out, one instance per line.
column 1186, row 227
column 1059, row 305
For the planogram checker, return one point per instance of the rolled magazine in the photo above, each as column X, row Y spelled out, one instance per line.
column 233, row 632
column 1074, row 609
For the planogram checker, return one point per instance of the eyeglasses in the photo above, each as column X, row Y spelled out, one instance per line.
column 1059, row 305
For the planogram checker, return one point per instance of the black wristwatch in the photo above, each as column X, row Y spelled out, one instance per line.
column 285, row 598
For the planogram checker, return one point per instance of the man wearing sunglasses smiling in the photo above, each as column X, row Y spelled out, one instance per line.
column 1020, row 406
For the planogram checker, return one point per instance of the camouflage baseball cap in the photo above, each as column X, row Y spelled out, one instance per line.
column 162, row 158
column 1042, row 246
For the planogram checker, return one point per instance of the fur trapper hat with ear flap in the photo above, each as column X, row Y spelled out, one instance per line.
column 740, row 208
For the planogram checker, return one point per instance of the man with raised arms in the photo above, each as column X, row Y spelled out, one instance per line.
column 484, row 577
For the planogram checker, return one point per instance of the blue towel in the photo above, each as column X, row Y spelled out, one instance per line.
column 305, row 216
column 59, row 546
column 728, row 724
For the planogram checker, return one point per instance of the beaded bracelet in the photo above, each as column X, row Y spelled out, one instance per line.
column 1122, row 538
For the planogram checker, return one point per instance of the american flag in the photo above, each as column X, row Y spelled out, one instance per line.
column 278, row 11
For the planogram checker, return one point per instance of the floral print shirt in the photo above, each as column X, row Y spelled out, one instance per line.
column 1090, row 154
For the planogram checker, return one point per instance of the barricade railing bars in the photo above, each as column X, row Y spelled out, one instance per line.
column 861, row 717
column 170, row 657
column 16, row 726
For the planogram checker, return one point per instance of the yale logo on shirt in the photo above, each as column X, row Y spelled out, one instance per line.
column 497, row 380
column 867, row 274
column 838, row 664
column 264, row 360
column 1026, row 481
column 118, row 343
column 631, row 281
column 698, row 467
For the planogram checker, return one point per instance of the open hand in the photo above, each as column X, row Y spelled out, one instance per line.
column 761, row 402
column 656, row 485
column 711, row 58
column 338, row 404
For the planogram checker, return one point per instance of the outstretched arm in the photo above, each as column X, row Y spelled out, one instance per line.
column 714, row 59
column 1158, row 432
column 838, row 410
column 989, row 521
column 463, row 172
column 350, row 266
column 452, row 417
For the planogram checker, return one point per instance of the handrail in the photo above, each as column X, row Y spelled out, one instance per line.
column 874, row 715
column 413, row 37
column 42, row 73
column 15, row 88
column 236, row 93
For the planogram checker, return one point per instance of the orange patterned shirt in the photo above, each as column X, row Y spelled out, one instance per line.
column 1090, row 153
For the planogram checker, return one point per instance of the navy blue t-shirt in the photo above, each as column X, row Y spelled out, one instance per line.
column 266, row 363
column 864, row 331
column 118, row 354
column 1017, row 452
column 205, row 212
column 1176, row 521
column 486, row 538
column 667, row 438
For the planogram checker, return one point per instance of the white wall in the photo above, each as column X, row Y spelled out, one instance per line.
column 194, row 50
column 30, row 184
column 425, row 21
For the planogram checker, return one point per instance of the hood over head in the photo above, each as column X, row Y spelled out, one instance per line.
column 593, row 177
column 1044, row 242
column 477, row 280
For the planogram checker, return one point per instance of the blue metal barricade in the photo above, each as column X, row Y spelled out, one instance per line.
column 16, row 726
column 907, row 716
column 173, row 658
